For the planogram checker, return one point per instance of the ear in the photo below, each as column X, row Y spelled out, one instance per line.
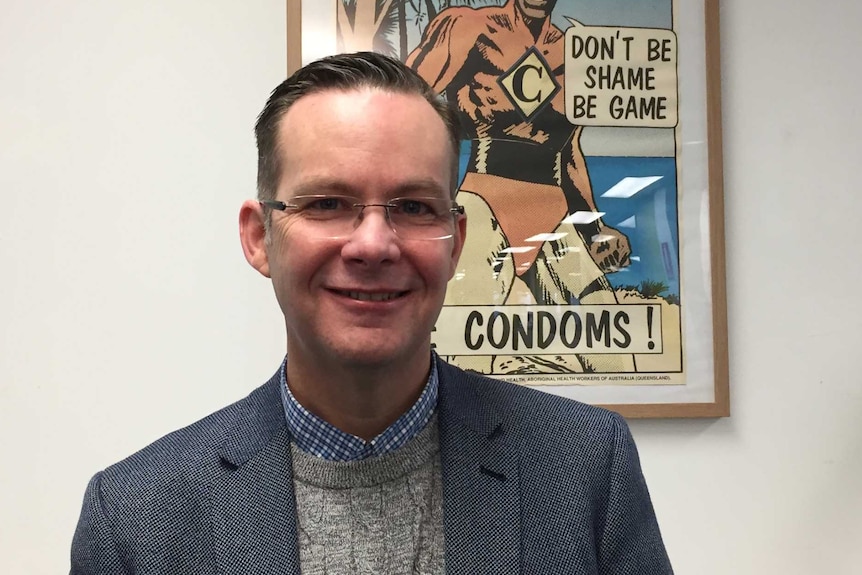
column 458, row 246
column 252, row 235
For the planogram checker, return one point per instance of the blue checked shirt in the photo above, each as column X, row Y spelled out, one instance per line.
column 318, row 437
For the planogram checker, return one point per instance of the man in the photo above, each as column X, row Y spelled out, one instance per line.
column 503, row 67
column 365, row 453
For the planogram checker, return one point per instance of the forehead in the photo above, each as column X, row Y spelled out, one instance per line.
column 363, row 134
column 362, row 108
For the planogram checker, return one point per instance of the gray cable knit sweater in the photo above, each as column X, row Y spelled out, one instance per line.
column 382, row 515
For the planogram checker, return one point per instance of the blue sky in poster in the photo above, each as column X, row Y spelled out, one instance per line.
column 648, row 218
column 640, row 13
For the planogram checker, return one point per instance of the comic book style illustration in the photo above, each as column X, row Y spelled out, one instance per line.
column 569, row 176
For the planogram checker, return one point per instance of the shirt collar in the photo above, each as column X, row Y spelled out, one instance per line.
column 318, row 437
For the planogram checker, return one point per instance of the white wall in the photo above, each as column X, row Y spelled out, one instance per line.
column 126, row 309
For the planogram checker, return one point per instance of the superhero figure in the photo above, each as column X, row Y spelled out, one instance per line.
column 533, row 223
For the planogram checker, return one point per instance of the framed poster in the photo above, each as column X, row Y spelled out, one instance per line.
column 591, row 174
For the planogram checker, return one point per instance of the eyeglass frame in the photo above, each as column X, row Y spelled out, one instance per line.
column 455, row 209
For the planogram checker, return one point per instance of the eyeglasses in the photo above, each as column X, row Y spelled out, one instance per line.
column 414, row 218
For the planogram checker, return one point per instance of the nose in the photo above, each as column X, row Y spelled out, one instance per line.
column 373, row 241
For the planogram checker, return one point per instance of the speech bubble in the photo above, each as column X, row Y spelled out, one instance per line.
column 621, row 76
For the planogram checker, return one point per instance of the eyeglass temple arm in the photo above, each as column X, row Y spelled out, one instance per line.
column 273, row 204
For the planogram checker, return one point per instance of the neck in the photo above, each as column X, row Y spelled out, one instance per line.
column 359, row 399
column 534, row 25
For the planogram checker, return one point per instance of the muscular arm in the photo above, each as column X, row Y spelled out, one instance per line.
column 609, row 247
column 443, row 50
column 574, row 178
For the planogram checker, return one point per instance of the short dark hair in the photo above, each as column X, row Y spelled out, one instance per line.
column 341, row 72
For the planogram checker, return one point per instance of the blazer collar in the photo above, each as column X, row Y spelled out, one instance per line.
column 481, row 482
column 252, row 505
column 258, row 418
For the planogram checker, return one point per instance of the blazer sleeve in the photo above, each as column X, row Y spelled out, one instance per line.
column 94, row 548
column 630, row 541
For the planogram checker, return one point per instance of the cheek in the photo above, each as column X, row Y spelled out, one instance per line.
column 439, row 266
column 291, row 271
column 287, row 267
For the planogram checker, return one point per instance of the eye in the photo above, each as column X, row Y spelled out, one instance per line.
column 326, row 204
column 323, row 207
column 415, row 206
column 322, row 204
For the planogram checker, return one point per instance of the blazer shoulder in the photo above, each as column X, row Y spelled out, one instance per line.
column 154, row 503
column 194, row 449
column 529, row 411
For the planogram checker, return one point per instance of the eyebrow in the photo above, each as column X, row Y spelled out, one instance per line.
column 422, row 186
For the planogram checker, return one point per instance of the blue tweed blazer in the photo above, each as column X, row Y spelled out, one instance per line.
column 532, row 484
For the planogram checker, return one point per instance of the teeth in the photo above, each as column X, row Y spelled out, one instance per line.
column 365, row 296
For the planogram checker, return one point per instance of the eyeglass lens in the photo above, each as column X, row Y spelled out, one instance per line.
column 415, row 218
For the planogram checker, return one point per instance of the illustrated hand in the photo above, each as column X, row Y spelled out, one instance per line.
column 610, row 249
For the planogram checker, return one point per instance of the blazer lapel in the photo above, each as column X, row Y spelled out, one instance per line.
column 253, row 506
column 481, row 504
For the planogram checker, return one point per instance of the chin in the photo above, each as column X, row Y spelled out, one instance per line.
column 373, row 354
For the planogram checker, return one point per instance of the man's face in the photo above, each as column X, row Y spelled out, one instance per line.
column 370, row 298
column 537, row 9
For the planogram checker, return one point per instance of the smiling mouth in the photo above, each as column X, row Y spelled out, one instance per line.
column 366, row 296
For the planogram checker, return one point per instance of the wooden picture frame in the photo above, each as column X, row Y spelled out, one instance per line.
column 699, row 387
